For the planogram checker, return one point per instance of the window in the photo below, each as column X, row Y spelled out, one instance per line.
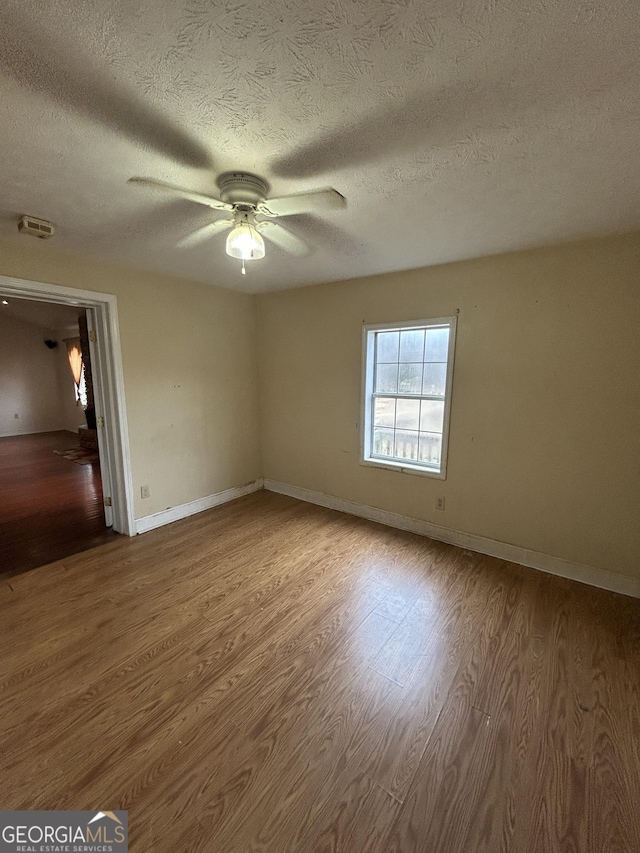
column 81, row 390
column 76, row 365
column 408, row 370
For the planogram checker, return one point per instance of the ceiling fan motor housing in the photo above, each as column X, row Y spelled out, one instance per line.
column 242, row 188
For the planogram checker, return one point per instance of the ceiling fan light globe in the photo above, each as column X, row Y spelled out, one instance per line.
column 245, row 243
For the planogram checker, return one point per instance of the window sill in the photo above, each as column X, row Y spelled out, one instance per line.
column 404, row 468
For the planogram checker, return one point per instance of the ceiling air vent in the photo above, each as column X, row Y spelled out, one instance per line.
column 36, row 227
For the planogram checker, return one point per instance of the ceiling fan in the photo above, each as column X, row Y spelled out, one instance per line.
column 244, row 196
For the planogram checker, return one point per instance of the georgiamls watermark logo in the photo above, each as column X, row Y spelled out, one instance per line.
column 63, row 832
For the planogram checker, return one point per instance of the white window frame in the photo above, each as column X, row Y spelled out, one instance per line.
column 366, row 414
column 81, row 392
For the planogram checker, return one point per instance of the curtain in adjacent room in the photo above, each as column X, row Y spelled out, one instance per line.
column 75, row 362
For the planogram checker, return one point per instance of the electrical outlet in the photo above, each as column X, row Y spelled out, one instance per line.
column 439, row 503
column 144, row 491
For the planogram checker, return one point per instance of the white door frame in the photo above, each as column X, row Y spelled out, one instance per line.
column 100, row 382
column 106, row 363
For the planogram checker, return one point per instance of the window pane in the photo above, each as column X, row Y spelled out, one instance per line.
column 405, row 365
column 408, row 414
column 384, row 411
column 412, row 345
column 434, row 378
column 387, row 378
column 406, row 444
column 387, row 346
column 382, row 441
column 431, row 415
column 437, row 345
column 410, row 379
column 430, row 448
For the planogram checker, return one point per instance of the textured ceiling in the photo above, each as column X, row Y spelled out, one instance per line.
column 455, row 128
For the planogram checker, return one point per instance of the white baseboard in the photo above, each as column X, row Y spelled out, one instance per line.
column 613, row 581
column 175, row 513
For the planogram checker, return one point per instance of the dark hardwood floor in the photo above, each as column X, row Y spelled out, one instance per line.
column 50, row 507
column 273, row 676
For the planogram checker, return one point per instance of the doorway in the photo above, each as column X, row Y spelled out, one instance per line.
column 104, row 486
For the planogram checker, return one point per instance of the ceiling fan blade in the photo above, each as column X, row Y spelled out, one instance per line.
column 199, row 198
column 204, row 233
column 283, row 237
column 313, row 202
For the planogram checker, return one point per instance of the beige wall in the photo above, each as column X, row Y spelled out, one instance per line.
column 544, row 446
column 543, row 453
column 29, row 379
column 189, row 360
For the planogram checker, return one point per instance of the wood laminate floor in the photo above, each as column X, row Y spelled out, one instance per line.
column 50, row 507
column 273, row 676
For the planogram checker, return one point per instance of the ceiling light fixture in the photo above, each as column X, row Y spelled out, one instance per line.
column 4, row 302
column 243, row 241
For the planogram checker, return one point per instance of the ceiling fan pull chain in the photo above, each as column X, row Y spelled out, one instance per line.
column 244, row 272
